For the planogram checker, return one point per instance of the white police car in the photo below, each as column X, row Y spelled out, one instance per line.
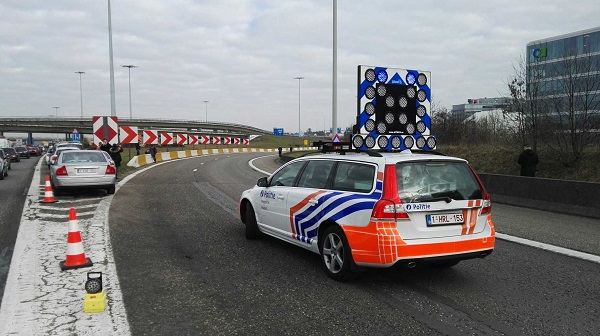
column 374, row 209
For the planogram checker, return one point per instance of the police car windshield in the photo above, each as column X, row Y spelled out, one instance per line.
column 433, row 181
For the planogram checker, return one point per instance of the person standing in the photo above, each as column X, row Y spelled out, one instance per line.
column 115, row 154
column 153, row 152
column 105, row 146
column 528, row 159
column 137, row 148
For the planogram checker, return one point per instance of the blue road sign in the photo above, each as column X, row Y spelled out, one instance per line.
column 278, row 131
column 75, row 136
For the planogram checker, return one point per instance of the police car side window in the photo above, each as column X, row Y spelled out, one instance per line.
column 286, row 176
column 352, row 176
column 316, row 174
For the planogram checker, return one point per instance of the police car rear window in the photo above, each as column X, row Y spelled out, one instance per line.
column 436, row 180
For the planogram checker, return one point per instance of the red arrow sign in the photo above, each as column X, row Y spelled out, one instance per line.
column 128, row 134
column 238, row 141
column 205, row 139
column 181, row 139
column 246, row 141
column 226, row 141
column 150, row 137
column 166, row 138
column 193, row 139
column 216, row 140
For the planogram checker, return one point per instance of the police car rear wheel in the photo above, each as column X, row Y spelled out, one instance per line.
column 252, row 231
column 336, row 256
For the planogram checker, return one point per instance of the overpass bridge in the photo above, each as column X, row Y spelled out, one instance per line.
column 66, row 125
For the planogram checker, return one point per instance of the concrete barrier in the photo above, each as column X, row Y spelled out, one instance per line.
column 569, row 197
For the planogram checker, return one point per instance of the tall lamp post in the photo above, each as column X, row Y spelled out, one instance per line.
column 80, row 90
column 299, row 79
column 56, row 109
column 206, row 105
column 129, row 70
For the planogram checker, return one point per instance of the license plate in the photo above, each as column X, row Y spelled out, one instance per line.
column 86, row 170
column 444, row 219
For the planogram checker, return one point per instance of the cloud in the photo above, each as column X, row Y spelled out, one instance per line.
column 243, row 56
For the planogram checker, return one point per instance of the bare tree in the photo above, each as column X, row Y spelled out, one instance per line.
column 575, row 102
column 526, row 111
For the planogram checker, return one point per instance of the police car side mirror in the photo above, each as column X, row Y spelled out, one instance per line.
column 262, row 182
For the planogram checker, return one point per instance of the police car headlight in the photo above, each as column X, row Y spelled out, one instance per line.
column 421, row 127
column 410, row 128
column 402, row 118
column 389, row 118
column 403, row 102
column 370, row 125
column 421, row 95
column 381, row 128
column 370, row 92
column 411, row 92
column 421, row 79
column 381, row 90
column 420, row 142
column 389, row 101
column 370, row 75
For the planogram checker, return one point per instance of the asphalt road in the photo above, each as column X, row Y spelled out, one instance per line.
column 186, row 268
column 13, row 192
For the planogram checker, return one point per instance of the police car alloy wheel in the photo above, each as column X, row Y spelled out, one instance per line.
column 335, row 254
column 252, row 231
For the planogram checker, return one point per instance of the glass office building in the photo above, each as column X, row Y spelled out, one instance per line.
column 563, row 75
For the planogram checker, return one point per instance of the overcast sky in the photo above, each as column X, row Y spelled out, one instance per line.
column 243, row 55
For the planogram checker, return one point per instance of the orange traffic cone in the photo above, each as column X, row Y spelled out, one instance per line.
column 75, row 255
column 48, row 194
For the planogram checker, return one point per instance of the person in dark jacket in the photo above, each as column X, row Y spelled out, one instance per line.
column 528, row 161
column 115, row 154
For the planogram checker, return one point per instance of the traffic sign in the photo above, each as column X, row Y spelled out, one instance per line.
column 75, row 136
column 166, row 138
column 128, row 134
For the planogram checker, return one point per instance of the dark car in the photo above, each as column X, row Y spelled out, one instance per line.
column 23, row 152
column 12, row 153
column 33, row 150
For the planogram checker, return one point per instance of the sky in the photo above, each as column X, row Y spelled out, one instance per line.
column 242, row 56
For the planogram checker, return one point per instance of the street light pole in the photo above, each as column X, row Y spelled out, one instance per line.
column 113, row 107
column 80, row 90
column 299, row 78
column 56, row 109
column 129, row 70
column 206, row 104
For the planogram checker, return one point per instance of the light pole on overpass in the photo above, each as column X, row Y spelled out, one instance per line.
column 206, row 104
column 129, row 69
column 80, row 90
column 56, row 109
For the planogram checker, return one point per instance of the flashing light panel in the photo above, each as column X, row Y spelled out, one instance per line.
column 393, row 107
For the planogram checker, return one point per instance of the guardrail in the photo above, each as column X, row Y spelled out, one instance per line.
column 563, row 196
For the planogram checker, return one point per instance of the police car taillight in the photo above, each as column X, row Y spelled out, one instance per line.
column 389, row 207
column 487, row 204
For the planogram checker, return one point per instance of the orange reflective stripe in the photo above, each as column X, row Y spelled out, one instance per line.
column 380, row 243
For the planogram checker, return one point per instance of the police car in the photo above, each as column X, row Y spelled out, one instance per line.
column 374, row 209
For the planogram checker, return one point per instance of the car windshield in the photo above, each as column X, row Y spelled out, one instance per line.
column 436, row 181
column 77, row 157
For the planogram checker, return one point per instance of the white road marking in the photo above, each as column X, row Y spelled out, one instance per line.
column 551, row 248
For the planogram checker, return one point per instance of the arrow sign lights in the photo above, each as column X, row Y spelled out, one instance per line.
column 128, row 134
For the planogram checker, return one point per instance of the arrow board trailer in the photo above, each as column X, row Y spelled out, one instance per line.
column 393, row 109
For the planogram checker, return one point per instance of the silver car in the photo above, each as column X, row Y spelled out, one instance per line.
column 52, row 158
column 83, row 169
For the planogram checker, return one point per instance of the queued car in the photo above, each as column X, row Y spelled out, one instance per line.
column 33, row 150
column 4, row 164
column 54, row 155
column 83, row 169
column 374, row 209
column 14, row 156
column 23, row 152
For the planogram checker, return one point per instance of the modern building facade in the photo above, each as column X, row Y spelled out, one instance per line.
column 563, row 75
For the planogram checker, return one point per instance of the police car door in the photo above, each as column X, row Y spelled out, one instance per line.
column 305, row 201
column 272, row 211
